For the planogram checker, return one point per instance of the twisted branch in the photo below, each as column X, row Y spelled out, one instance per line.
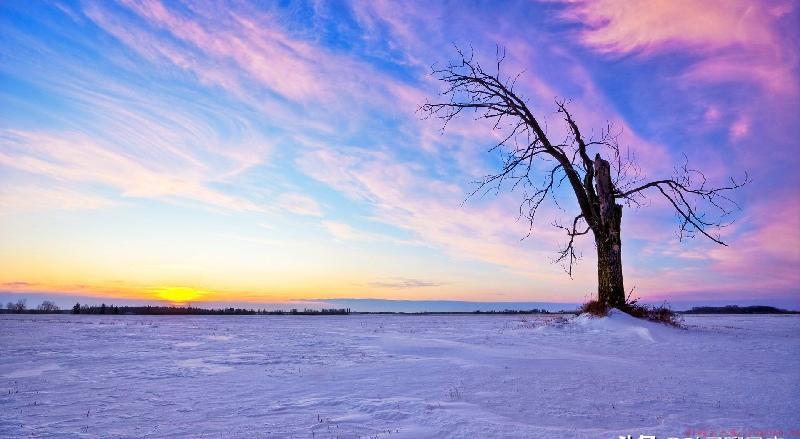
column 492, row 96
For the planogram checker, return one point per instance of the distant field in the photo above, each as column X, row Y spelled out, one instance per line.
column 373, row 376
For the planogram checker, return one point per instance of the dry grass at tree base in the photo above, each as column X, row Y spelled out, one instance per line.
column 660, row 314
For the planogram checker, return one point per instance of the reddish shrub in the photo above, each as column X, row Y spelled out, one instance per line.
column 660, row 314
column 595, row 308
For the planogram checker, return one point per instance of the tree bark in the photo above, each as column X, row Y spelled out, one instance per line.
column 610, row 286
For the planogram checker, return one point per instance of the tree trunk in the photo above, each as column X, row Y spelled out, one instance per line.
column 610, row 286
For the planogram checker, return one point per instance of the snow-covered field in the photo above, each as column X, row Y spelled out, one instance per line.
column 396, row 376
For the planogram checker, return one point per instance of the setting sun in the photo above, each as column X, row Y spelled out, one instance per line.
column 400, row 218
column 179, row 295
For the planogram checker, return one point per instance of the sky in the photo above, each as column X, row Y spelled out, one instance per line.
column 265, row 152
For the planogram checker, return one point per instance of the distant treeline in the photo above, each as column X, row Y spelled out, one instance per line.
column 735, row 309
column 505, row 311
column 190, row 310
column 49, row 307
column 21, row 306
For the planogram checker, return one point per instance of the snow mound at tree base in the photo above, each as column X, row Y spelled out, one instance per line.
column 619, row 322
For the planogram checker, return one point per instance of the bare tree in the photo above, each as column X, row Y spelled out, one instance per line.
column 48, row 306
column 19, row 306
column 599, row 185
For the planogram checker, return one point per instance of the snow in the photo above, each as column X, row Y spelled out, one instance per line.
column 384, row 376
column 619, row 322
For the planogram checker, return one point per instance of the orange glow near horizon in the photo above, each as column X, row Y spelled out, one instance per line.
column 156, row 153
column 179, row 295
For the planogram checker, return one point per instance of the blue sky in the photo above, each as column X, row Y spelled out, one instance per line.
column 272, row 151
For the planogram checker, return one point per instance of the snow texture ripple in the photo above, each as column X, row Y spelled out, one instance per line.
column 371, row 376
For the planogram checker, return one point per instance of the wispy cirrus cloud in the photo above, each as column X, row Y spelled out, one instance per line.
column 161, row 139
column 263, row 52
column 33, row 198
column 234, row 106
column 76, row 157
column 768, row 243
column 248, row 52
column 403, row 283
column 737, row 40
column 16, row 285
column 432, row 210
column 616, row 26
column 346, row 232
column 299, row 204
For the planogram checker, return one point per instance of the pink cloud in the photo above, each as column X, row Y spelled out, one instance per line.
column 737, row 40
column 762, row 258
column 589, row 104
column 77, row 158
column 346, row 232
column 775, row 74
column 29, row 197
column 767, row 253
column 298, row 204
column 155, row 49
column 231, row 48
column 739, row 128
column 432, row 211
column 648, row 26
column 71, row 163
column 217, row 56
column 712, row 114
